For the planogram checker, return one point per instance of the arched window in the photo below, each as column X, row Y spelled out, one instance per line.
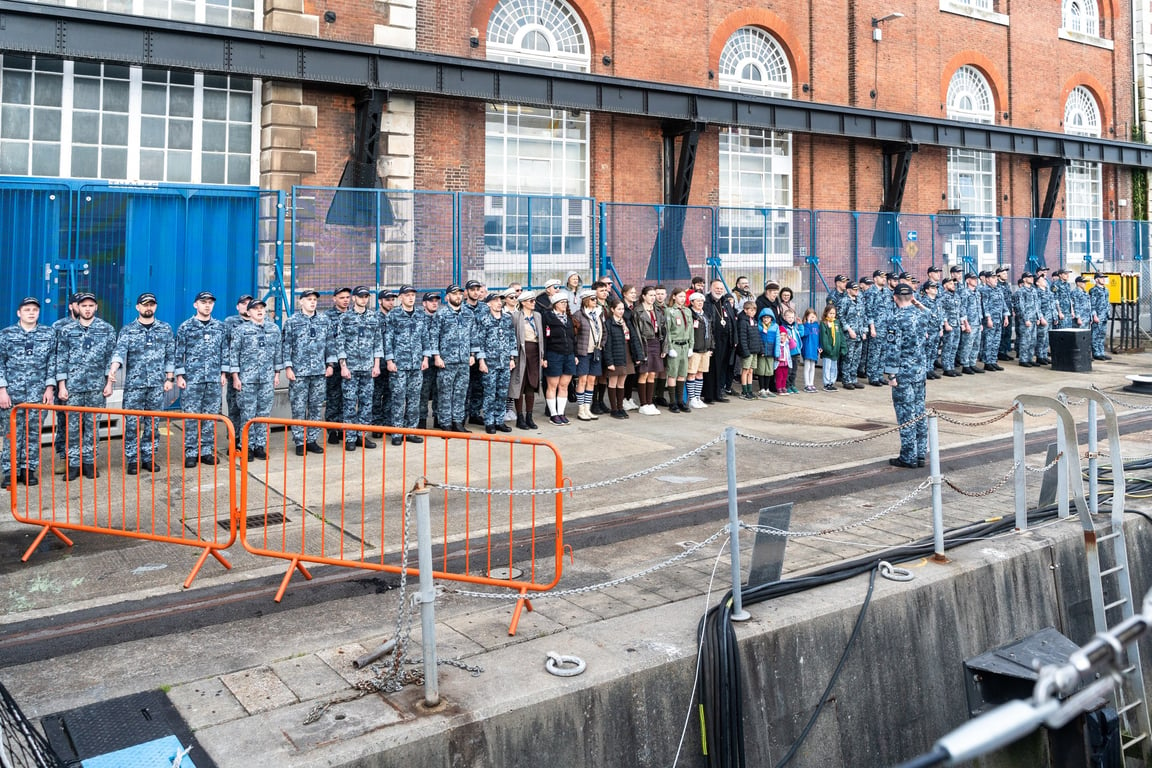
column 755, row 164
column 1083, row 198
column 1080, row 16
column 531, row 153
column 972, row 173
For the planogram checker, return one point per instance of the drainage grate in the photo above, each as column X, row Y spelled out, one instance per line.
column 259, row 521
column 965, row 408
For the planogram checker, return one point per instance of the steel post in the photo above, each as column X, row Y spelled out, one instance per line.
column 936, row 480
column 1093, row 462
column 427, row 596
column 1062, row 469
column 738, row 612
column 1018, row 459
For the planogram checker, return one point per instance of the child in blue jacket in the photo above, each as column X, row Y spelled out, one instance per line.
column 810, row 347
column 766, row 354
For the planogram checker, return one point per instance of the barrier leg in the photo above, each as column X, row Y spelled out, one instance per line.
column 40, row 537
column 200, row 563
column 296, row 565
column 521, row 604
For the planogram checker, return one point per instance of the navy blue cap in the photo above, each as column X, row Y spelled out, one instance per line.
column 205, row 295
column 28, row 300
column 83, row 296
column 494, row 296
column 473, row 284
column 902, row 290
column 840, row 279
column 244, row 299
column 361, row 290
column 852, row 284
column 257, row 303
column 144, row 298
column 386, row 295
column 956, row 268
column 338, row 291
column 406, row 289
column 877, row 273
column 971, row 276
column 904, row 276
column 1000, row 269
column 309, row 292
column 452, row 288
column 431, row 296
column 1081, row 279
column 934, row 268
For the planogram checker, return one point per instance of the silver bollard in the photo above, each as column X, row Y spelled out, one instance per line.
column 1018, row 457
column 937, row 480
column 738, row 612
column 427, row 595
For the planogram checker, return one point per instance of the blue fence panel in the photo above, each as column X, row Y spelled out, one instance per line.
column 919, row 247
column 764, row 244
column 648, row 244
column 347, row 237
column 270, row 250
column 525, row 239
column 1129, row 242
column 34, row 217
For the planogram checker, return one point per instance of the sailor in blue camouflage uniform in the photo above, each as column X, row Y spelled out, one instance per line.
column 867, row 286
column 948, row 303
column 61, row 417
column 359, row 348
column 1062, row 290
column 878, row 309
column 1101, row 306
column 1081, row 304
column 995, row 320
column 201, row 369
column 83, row 353
column 904, row 366
column 851, row 314
column 334, row 399
column 230, row 324
column 254, row 359
column 838, row 292
column 474, row 293
column 1047, row 320
column 406, row 352
column 309, row 360
column 933, row 320
column 1005, row 288
column 429, row 389
column 1026, row 309
column 496, row 357
column 146, row 349
column 450, row 342
column 971, row 324
column 381, row 388
column 27, row 375
column 934, row 275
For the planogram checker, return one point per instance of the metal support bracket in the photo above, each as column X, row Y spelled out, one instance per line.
column 897, row 160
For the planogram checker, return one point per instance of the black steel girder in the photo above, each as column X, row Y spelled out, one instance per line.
column 72, row 33
column 678, row 176
column 1055, row 179
column 896, row 175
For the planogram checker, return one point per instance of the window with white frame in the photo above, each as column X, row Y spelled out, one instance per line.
column 1080, row 16
column 972, row 173
column 755, row 164
column 226, row 13
column 1083, row 199
column 105, row 121
column 536, row 160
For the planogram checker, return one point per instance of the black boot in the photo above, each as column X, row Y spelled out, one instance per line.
column 529, row 422
column 521, row 423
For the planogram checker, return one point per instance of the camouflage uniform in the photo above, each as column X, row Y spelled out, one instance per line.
column 148, row 355
column 496, row 345
column 851, row 313
column 406, row 345
column 382, row 387
column 1100, row 307
column 972, row 309
column 429, row 393
column 948, row 302
column 933, row 320
column 255, row 356
column 61, row 417
column 334, row 390
column 450, row 335
column 1047, row 303
column 1062, row 291
column 904, row 359
column 360, row 346
column 879, row 309
column 994, row 312
column 1027, row 309
column 83, row 355
column 1006, row 332
column 1082, row 308
column 306, row 348
column 230, row 324
column 201, row 356
column 27, row 367
column 475, row 405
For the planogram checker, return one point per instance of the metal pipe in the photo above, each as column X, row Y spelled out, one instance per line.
column 373, row 655
column 936, row 480
column 427, row 595
column 738, row 612
column 1018, row 459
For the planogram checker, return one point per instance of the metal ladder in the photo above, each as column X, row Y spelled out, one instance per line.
column 1104, row 535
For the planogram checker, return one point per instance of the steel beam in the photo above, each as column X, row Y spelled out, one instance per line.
column 896, row 175
column 73, row 33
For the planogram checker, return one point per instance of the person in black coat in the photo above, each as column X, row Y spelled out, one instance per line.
column 723, row 321
column 558, row 356
column 622, row 351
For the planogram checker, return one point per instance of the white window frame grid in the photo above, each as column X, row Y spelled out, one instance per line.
column 200, row 10
column 755, row 231
column 972, row 173
column 132, row 141
column 509, row 235
column 1083, row 183
column 1082, row 16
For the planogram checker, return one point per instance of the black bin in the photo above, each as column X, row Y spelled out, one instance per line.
column 1071, row 349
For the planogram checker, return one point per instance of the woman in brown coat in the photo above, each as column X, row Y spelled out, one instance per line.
column 528, row 375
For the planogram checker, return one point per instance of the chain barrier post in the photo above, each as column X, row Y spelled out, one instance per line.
column 936, row 479
column 427, row 594
column 1062, row 508
column 1021, row 481
column 1093, row 463
column 738, row 612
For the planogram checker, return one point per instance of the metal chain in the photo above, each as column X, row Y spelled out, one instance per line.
column 1036, row 414
column 831, row 443
column 981, row 423
column 602, row 585
column 1046, row 467
column 1122, row 403
column 839, row 529
column 988, row 491
column 574, row 488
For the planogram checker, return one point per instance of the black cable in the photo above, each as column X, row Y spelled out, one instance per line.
column 937, row 756
column 835, row 674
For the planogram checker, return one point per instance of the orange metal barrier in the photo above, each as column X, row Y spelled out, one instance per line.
column 174, row 505
column 347, row 507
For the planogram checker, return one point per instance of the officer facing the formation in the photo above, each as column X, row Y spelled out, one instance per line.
column 334, row 408
column 1026, row 308
column 496, row 357
column 359, row 347
column 27, row 375
column 230, row 324
column 146, row 349
column 201, row 369
column 83, row 353
column 308, row 358
column 254, row 359
column 1101, row 306
column 381, row 388
column 995, row 320
column 904, row 366
column 406, row 351
column 451, row 346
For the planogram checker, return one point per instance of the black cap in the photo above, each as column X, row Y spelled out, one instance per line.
column 431, row 296
column 930, row 284
column 83, row 296
column 839, row 279
column 1041, row 269
column 341, row 290
column 205, row 296
column 877, row 273
column 949, row 279
column 244, row 299
column 406, row 289
column 1100, row 276
column 257, row 303
column 473, row 284
column 971, row 276
column 1081, row 279
column 852, row 284
column 1000, row 269
column 867, row 281
column 934, row 268
column 28, row 300
column 386, row 295
column 1061, row 271
column 1026, row 274
column 452, row 288
column 494, row 296
column 902, row 290
column 955, row 268
column 904, row 276
column 146, row 297
column 985, row 273
column 309, row 292
column 889, row 276
column 361, row 290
